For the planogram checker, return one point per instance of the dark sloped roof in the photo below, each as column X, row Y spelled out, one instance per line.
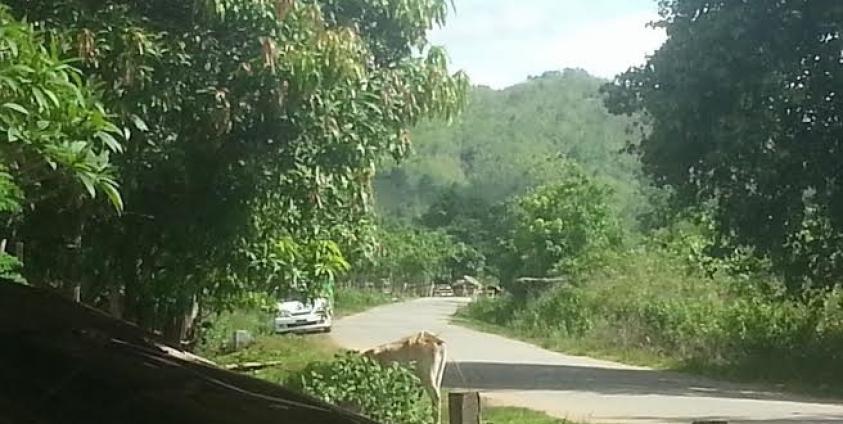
column 468, row 280
column 62, row 362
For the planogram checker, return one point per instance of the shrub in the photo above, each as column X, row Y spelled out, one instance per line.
column 386, row 394
column 650, row 301
column 349, row 301
column 215, row 333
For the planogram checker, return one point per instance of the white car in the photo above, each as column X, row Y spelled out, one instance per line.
column 298, row 316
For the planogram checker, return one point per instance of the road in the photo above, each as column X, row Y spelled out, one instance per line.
column 514, row 373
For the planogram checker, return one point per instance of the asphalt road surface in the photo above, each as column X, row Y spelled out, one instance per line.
column 514, row 373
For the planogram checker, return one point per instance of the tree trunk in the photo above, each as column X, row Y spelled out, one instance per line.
column 180, row 326
column 73, row 291
column 115, row 302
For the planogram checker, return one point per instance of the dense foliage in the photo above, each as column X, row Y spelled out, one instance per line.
column 252, row 130
column 654, row 305
column 387, row 394
column 508, row 142
column 744, row 107
column 738, row 119
column 411, row 256
column 55, row 140
column 560, row 229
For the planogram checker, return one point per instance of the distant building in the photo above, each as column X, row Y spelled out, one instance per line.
column 467, row 286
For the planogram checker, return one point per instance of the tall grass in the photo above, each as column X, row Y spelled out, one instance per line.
column 349, row 301
column 647, row 306
column 256, row 317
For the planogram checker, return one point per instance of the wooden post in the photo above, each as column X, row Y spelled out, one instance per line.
column 464, row 407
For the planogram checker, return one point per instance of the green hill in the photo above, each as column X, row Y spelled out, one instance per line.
column 505, row 143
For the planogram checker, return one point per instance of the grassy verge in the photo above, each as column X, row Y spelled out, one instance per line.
column 510, row 415
column 607, row 350
column 506, row 415
column 295, row 352
column 259, row 322
column 350, row 302
column 647, row 308
column 600, row 349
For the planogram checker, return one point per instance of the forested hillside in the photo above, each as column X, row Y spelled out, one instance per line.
column 506, row 142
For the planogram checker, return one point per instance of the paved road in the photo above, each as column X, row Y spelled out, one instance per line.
column 514, row 373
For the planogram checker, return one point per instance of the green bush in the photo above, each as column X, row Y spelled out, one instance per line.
column 216, row 333
column 651, row 303
column 349, row 301
column 386, row 394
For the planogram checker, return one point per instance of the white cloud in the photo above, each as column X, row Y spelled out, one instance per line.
column 609, row 47
column 500, row 42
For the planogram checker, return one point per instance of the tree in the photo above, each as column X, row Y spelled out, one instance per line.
column 743, row 109
column 55, row 142
column 465, row 260
column 255, row 130
column 408, row 254
column 558, row 229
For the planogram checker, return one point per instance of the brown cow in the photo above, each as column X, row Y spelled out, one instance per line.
column 425, row 354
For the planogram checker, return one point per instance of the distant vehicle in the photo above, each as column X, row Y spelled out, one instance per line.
column 443, row 290
column 297, row 315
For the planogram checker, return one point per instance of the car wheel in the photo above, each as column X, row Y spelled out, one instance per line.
column 326, row 330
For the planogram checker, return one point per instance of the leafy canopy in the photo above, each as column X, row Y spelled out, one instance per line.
column 558, row 229
column 55, row 139
column 744, row 110
column 254, row 129
column 506, row 143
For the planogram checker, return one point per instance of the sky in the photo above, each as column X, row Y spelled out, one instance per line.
column 501, row 42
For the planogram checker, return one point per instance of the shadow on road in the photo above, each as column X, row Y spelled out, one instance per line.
column 529, row 377
column 805, row 419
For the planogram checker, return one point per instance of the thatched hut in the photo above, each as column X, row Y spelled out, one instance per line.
column 467, row 286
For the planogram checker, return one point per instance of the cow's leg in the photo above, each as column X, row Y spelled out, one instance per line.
column 439, row 373
column 433, row 383
column 437, row 405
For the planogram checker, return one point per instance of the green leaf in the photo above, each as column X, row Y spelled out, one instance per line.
column 139, row 124
column 16, row 107
column 52, row 97
column 13, row 134
column 109, row 141
column 40, row 98
column 113, row 195
column 88, row 182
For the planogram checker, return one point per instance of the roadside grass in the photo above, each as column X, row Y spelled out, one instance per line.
column 295, row 352
column 349, row 301
column 599, row 349
column 505, row 414
column 217, row 336
column 750, row 373
column 512, row 415
column 647, row 308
